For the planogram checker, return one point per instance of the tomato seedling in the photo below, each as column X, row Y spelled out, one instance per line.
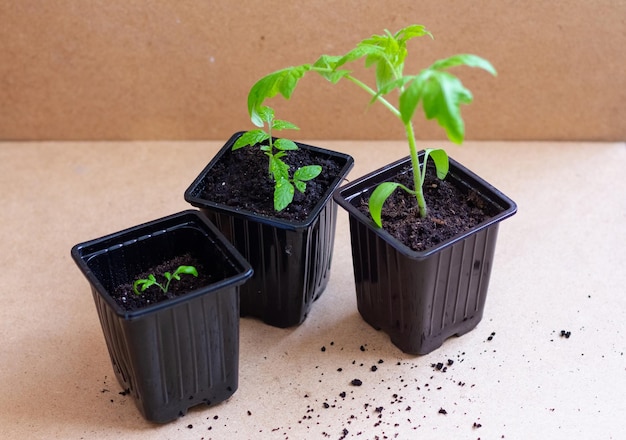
column 284, row 185
column 144, row 283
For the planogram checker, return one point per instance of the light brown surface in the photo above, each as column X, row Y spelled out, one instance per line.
column 559, row 266
column 120, row 69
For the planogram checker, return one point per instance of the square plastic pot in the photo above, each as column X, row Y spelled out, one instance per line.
column 422, row 298
column 291, row 260
column 181, row 352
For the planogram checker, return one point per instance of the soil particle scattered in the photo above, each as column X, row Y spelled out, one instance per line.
column 356, row 382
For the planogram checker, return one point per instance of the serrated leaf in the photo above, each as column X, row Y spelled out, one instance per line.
column 384, row 74
column 251, row 137
column 328, row 62
column 278, row 168
column 283, row 81
column 411, row 31
column 285, row 144
column 464, row 60
column 335, row 76
column 441, row 161
column 283, row 194
column 279, row 124
column 362, row 49
column 307, row 172
column 442, row 96
column 327, row 65
column 266, row 113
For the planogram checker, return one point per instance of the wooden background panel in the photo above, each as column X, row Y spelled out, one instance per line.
column 141, row 69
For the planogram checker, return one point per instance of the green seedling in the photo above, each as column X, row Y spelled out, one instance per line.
column 275, row 150
column 151, row 280
column 438, row 91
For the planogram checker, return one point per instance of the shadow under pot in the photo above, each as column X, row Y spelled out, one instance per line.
column 169, row 351
column 421, row 297
column 291, row 250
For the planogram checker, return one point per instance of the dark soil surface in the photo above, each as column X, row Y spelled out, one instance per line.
column 452, row 210
column 241, row 179
column 129, row 300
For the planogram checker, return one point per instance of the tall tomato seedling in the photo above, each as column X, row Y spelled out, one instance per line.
column 439, row 92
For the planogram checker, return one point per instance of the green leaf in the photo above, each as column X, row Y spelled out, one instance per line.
column 266, row 113
column 251, row 137
column 410, row 98
column 307, row 172
column 283, row 81
column 300, row 186
column 285, row 144
column 137, row 284
column 441, row 161
column 378, row 198
column 168, row 276
column 278, row 168
column 360, row 51
column 384, row 74
column 283, row 194
column 327, row 66
column 442, row 96
column 279, row 124
column 187, row 270
column 464, row 60
column 144, row 283
column 328, row 62
column 390, row 86
column 411, row 31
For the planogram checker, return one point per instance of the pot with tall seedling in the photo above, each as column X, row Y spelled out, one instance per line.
column 272, row 198
column 423, row 231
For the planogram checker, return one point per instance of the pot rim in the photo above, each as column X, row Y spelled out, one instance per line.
column 142, row 233
column 201, row 202
column 345, row 194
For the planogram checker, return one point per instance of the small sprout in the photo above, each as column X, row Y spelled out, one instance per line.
column 284, row 186
column 144, row 283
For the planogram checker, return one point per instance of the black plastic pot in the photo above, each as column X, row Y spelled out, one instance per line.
column 180, row 352
column 422, row 298
column 291, row 260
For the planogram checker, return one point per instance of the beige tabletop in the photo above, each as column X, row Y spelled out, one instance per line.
column 559, row 267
